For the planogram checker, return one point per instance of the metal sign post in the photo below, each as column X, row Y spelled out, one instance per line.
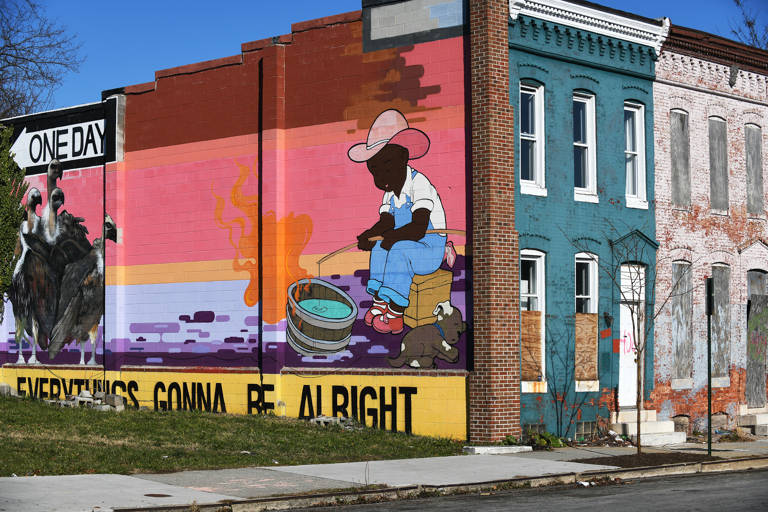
column 710, row 308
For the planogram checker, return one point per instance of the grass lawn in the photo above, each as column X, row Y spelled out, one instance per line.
column 39, row 439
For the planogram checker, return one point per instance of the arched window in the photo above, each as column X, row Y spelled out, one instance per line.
column 584, row 147
column 586, row 283
column 634, row 154
column 532, row 168
column 718, row 164
column 753, row 144
column 680, row 158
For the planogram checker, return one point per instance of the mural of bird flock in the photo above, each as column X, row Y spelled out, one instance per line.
column 57, row 289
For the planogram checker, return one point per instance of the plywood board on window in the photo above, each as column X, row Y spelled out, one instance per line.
column 586, row 346
column 531, row 341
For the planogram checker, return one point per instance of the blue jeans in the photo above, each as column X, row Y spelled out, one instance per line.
column 392, row 271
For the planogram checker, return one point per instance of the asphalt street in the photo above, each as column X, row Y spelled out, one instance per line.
column 743, row 491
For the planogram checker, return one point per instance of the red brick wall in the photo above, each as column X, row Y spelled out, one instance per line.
column 494, row 385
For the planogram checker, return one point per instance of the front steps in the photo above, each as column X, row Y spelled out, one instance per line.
column 754, row 419
column 652, row 432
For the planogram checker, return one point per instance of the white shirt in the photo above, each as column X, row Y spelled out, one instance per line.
column 421, row 193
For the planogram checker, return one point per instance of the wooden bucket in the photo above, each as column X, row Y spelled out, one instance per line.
column 319, row 317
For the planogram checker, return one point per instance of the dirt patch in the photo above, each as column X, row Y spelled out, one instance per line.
column 648, row 459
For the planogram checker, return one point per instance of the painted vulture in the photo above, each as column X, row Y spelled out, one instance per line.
column 34, row 285
column 81, row 303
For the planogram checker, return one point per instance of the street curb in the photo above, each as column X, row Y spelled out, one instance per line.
column 413, row 491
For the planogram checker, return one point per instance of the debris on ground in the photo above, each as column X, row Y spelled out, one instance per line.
column 99, row 401
column 343, row 422
column 601, row 438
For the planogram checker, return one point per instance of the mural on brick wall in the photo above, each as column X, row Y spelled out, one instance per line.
column 292, row 244
column 57, row 288
column 251, row 273
column 408, row 240
column 396, row 312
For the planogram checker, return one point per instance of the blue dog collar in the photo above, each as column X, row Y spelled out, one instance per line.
column 439, row 329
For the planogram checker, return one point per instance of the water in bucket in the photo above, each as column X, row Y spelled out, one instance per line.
column 326, row 308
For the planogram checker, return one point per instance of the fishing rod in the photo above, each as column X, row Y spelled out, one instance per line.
column 458, row 232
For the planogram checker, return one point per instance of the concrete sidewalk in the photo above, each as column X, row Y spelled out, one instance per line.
column 110, row 492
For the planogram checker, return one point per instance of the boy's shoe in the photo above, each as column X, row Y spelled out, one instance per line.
column 379, row 308
column 388, row 323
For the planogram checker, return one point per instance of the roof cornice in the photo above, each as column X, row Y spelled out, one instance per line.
column 595, row 18
column 717, row 49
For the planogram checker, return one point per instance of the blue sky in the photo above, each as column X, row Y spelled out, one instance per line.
column 124, row 43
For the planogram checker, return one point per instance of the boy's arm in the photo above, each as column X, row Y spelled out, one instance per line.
column 386, row 223
column 415, row 230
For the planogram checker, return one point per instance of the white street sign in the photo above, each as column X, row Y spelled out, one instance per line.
column 70, row 142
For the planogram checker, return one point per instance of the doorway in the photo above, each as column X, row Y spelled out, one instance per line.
column 631, row 318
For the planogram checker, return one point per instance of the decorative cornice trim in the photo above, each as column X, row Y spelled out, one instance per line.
column 696, row 43
column 600, row 21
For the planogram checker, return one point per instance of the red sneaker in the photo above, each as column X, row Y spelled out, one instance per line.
column 378, row 308
column 389, row 323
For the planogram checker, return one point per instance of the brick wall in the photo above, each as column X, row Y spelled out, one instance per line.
column 494, row 384
column 700, row 236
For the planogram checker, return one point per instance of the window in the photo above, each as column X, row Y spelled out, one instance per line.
column 532, row 304
column 718, row 165
column 634, row 154
column 753, row 142
column 586, row 328
column 680, row 162
column 584, row 155
column 586, row 283
column 757, row 284
column 682, row 318
column 532, row 140
column 531, row 277
column 721, row 321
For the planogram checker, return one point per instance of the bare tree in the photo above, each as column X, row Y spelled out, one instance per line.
column 748, row 29
column 12, row 190
column 561, row 383
column 632, row 271
column 34, row 55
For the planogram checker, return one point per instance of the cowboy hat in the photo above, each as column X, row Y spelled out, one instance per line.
column 390, row 127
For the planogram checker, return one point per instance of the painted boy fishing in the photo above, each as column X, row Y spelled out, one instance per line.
column 410, row 207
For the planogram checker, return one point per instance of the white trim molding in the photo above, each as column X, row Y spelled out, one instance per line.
column 587, row 386
column 594, row 20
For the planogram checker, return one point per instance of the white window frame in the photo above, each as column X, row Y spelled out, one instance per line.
column 541, row 296
column 591, row 260
column 537, row 186
column 639, row 198
column 588, row 193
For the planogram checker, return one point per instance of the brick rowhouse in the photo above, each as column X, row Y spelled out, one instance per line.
column 494, row 382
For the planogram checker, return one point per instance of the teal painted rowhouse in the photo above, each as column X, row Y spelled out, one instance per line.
column 581, row 87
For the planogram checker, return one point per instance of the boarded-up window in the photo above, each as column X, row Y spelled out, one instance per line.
column 718, row 164
column 757, row 282
column 682, row 314
column 721, row 319
column 531, row 349
column 680, row 159
column 586, row 346
column 754, row 142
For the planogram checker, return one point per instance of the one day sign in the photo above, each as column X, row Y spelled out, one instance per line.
column 71, row 142
column 78, row 137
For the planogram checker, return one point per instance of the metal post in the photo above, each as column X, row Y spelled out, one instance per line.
column 710, row 307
